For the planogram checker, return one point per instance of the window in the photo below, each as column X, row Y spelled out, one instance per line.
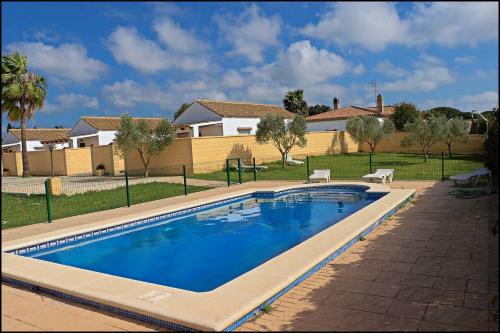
column 244, row 130
column 81, row 145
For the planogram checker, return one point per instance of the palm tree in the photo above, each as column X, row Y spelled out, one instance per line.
column 295, row 103
column 23, row 92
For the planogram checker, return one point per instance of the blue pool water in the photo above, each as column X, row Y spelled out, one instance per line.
column 203, row 250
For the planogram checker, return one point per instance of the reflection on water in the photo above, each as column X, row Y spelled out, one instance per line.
column 201, row 251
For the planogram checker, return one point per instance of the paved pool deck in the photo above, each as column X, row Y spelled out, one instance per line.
column 433, row 266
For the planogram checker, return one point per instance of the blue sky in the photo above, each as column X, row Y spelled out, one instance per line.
column 148, row 58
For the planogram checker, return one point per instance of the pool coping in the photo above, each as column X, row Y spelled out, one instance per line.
column 223, row 308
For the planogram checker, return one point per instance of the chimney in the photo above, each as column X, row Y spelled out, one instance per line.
column 336, row 103
column 380, row 104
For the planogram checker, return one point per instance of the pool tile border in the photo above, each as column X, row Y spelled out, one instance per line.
column 232, row 323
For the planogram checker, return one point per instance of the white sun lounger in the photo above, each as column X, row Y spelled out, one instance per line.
column 471, row 178
column 322, row 174
column 245, row 167
column 290, row 160
column 381, row 175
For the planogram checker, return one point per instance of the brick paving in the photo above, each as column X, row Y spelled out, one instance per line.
column 433, row 266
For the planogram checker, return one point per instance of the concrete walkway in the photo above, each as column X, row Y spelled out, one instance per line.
column 431, row 267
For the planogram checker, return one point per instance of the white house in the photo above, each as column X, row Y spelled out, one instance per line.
column 336, row 119
column 36, row 139
column 98, row 131
column 218, row 118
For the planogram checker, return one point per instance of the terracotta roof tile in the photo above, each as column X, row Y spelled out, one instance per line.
column 113, row 123
column 42, row 134
column 242, row 110
column 350, row 111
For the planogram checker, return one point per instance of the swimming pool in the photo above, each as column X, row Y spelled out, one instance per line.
column 232, row 212
column 202, row 250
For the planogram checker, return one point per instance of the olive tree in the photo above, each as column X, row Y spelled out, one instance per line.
column 456, row 130
column 148, row 140
column 369, row 129
column 283, row 134
column 425, row 133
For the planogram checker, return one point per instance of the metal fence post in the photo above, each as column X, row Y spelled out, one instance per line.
column 127, row 189
column 307, row 164
column 254, row 171
column 370, row 162
column 227, row 172
column 239, row 170
column 185, row 181
column 442, row 166
column 48, row 201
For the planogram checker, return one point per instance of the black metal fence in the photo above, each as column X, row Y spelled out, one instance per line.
column 39, row 199
column 355, row 166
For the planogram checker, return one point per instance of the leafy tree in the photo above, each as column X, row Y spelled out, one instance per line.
column 369, row 129
column 445, row 111
column 425, row 133
column 23, row 92
column 491, row 149
column 181, row 109
column 295, row 103
column 283, row 134
column 148, row 140
column 404, row 113
column 318, row 108
column 455, row 130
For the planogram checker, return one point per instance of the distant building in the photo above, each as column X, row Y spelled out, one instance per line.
column 36, row 139
column 98, row 131
column 336, row 119
column 219, row 118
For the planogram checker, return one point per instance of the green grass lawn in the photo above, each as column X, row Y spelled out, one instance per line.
column 21, row 209
column 354, row 166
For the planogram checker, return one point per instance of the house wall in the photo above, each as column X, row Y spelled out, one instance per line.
column 231, row 125
column 210, row 130
column 106, row 137
column 327, row 125
column 392, row 145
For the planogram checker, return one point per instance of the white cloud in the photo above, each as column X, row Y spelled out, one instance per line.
column 128, row 47
column 428, row 74
column 467, row 59
column 232, row 79
column 373, row 26
column 304, row 64
column 250, row 32
column 71, row 101
column 176, row 38
column 481, row 102
column 131, row 48
column 129, row 93
column 66, row 61
column 358, row 69
column 387, row 68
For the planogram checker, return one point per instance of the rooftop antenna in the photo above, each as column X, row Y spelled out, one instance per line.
column 374, row 85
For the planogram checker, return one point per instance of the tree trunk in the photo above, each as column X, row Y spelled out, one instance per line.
column 146, row 171
column 283, row 159
column 24, row 152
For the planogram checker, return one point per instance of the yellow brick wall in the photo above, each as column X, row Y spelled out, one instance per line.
column 39, row 162
column 210, row 153
column 168, row 162
column 118, row 162
column 78, row 161
column 392, row 145
column 13, row 162
column 102, row 155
